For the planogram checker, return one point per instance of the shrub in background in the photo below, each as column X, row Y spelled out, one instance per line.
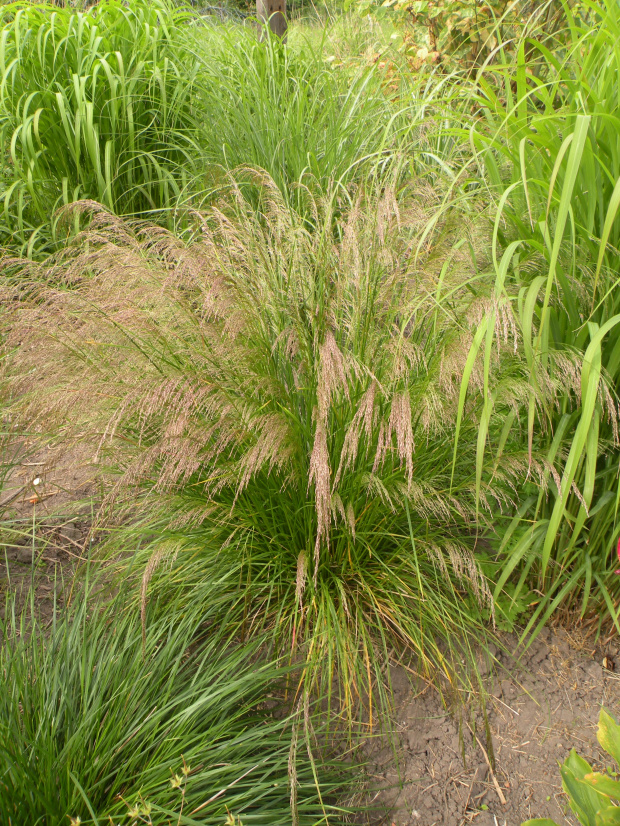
column 93, row 104
column 463, row 34
column 289, row 405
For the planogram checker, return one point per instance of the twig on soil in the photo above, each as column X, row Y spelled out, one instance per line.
column 507, row 706
column 79, row 545
column 471, row 788
column 75, row 556
column 36, row 499
column 498, row 788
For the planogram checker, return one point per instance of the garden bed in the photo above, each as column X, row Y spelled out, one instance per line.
column 436, row 770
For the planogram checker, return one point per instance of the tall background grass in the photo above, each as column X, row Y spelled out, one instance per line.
column 142, row 106
column 93, row 104
column 548, row 149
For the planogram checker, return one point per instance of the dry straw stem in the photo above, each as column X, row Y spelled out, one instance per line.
column 284, row 405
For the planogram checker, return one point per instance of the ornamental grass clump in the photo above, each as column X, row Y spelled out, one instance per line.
column 288, row 111
column 310, row 412
column 101, row 725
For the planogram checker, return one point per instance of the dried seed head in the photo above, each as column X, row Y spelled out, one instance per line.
column 320, row 476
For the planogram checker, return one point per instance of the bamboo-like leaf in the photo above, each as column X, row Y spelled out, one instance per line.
column 590, row 378
column 467, row 371
column 577, row 144
column 610, row 217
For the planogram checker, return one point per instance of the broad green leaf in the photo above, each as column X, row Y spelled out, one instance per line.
column 584, row 800
column 467, row 371
column 612, row 211
column 609, row 816
column 608, row 735
column 590, row 377
column 540, row 821
column 577, row 143
column 604, row 784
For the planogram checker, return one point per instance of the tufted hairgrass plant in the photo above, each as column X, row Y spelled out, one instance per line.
column 305, row 409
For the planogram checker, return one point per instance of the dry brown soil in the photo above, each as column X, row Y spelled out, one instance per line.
column 47, row 504
column 538, row 709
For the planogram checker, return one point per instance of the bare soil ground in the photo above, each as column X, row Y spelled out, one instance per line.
column 48, row 503
column 538, row 709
